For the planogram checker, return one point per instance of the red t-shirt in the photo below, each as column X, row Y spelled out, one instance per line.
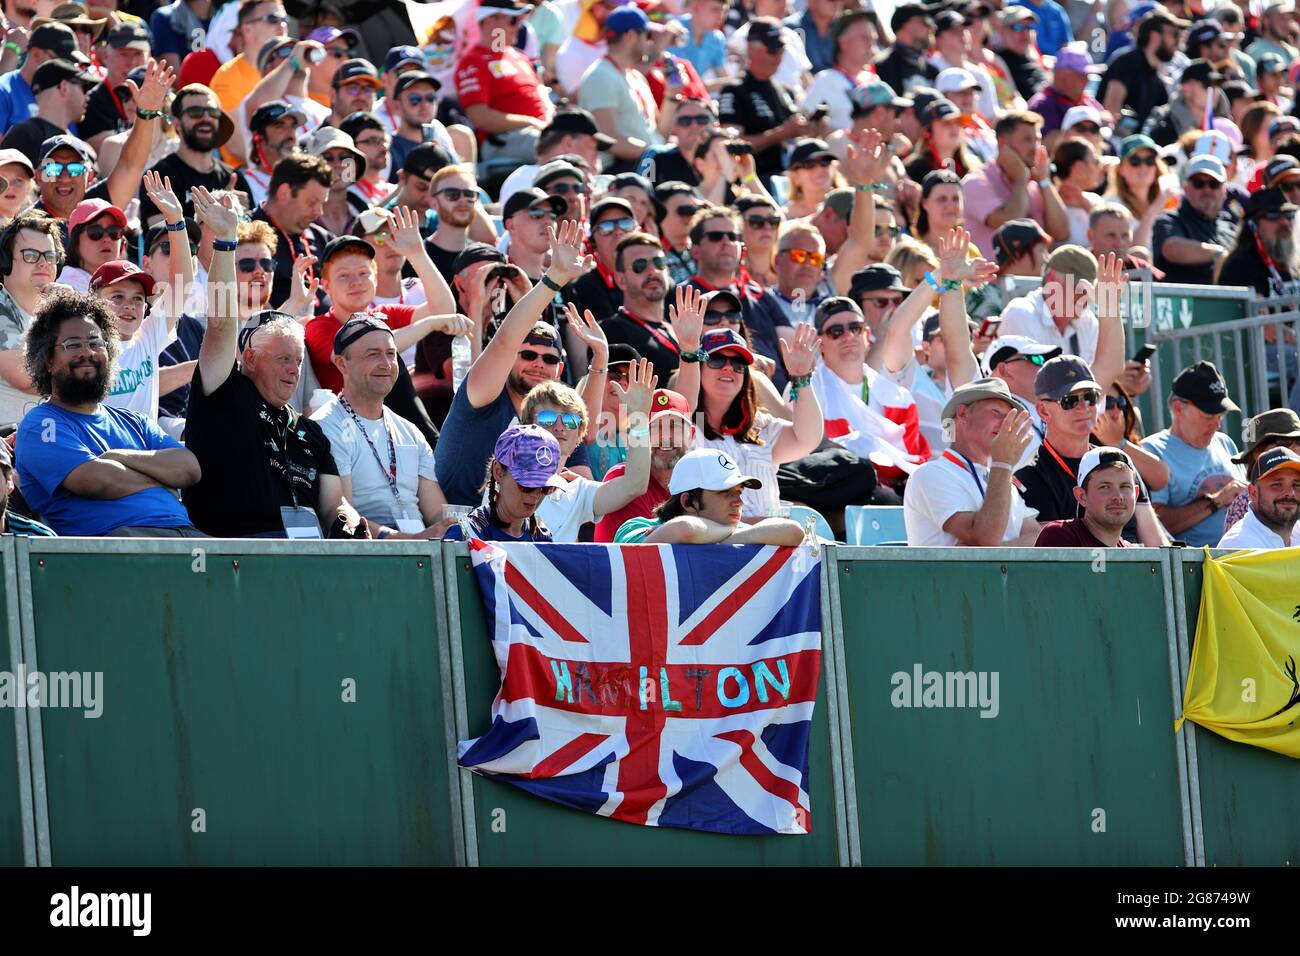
column 1070, row 533
column 504, row 81
column 643, row 506
column 320, row 341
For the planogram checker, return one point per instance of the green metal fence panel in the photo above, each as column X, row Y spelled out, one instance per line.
column 515, row 828
column 1250, row 798
column 1082, row 738
column 258, row 707
column 14, row 783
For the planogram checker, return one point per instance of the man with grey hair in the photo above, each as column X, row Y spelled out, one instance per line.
column 268, row 471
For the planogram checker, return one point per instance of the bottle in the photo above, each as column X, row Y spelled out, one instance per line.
column 460, row 360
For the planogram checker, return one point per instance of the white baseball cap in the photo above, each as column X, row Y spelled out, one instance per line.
column 1207, row 165
column 1102, row 457
column 709, row 469
column 955, row 79
column 1080, row 114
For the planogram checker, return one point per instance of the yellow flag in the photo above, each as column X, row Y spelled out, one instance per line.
column 1243, row 681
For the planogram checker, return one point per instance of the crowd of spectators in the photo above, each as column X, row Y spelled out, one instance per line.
column 636, row 270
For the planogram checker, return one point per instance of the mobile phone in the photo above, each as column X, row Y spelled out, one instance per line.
column 1144, row 353
column 429, row 132
column 989, row 326
column 819, row 113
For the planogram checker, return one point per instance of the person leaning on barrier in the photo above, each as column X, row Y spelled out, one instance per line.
column 86, row 467
column 1274, row 504
column 1107, row 491
column 521, row 472
column 705, row 508
column 1204, row 476
column 968, row 495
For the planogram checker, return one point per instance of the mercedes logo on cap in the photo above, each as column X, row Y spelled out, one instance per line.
column 725, row 461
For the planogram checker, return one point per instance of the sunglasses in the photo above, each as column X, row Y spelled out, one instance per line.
column 814, row 164
column 164, row 247
column 540, row 214
column 1136, row 161
column 702, row 120
column 610, row 226
column 686, row 211
column 801, row 256
column 1031, row 359
column 892, row 231
column 33, row 256
column 640, row 265
column 55, row 170
column 1021, row 27
column 549, row 358
column 1274, row 215
column 96, row 233
column 1114, row 401
column 718, row 362
column 456, row 195
column 1290, row 186
column 1086, row 127
column 199, row 112
column 549, row 417
column 719, row 317
column 338, row 52
column 1204, row 182
column 356, row 89
column 415, row 99
column 378, row 238
column 1072, row 401
column 563, row 189
column 251, row 264
column 758, row 222
column 719, row 235
column 274, row 18
column 839, row 329
column 544, row 490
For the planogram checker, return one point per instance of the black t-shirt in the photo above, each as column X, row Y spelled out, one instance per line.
column 905, row 68
column 27, row 136
column 185, row 177
column 589, row 291
column 1143, row 88
column 101, row 114
column 757, row 106
column 1025, row 73
column 443, row 259
column 1049, row 489
column 659, row 346
column 249, row 453
column 289, row 248
column 664, row 164
column 1245, row 267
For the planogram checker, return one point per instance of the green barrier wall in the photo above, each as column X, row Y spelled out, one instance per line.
column 1250, row 798
column 223, row 690
column 537, row 832
column 1085, row 720
column 11, row 724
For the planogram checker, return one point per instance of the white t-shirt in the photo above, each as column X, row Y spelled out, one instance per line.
column 573, row 59
column 412, row 294
column 1029, row 316
column 135, row 389
column 371, row 493
column 832, row 88
column 940, row 489
column 1250, row 532
column 754, row 460
column 567, row 509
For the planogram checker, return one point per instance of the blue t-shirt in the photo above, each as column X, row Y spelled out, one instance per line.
column 468, row 437
column 1054, row 29
column 165, row 37
column 483, row 528
column 711, row 54
column 17, row 102
column 1194, row 472
column 53, row 441
column 819, row 47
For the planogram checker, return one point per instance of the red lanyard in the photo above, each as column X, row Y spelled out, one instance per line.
column 397, row 124
column 293, row 251
column 665, row 340
column 1274, row 274
column 1060, row 461
column 391, row 471
column 121, row 111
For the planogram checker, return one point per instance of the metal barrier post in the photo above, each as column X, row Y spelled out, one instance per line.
column 36, row 742
column 445, row 637
column 1178, row 559
column 846, row 817
column 451, row 553
column 8, row 553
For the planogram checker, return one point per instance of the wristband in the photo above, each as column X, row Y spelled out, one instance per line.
column 293, row 62
column 11, row 45
column 176, row 226
column 1045, row 182
column 943, row 285
column 1001, row 464
column 598, row 371
column 865, row 187
column 797, row 385
column 384, row 533
column 551, row 283
column 148, row 114
column 699, row 355
column 224, row 245
column 749, row 178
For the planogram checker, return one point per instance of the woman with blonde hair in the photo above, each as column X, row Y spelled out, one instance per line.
column 1140, row 183
column 913, row 259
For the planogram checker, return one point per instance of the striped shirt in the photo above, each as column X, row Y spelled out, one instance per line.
column 21, row 524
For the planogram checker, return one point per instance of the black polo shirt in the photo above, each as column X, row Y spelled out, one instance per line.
column 1025, row 73
column 1245, row 267
column 655, row 342
column 251, row 453
column 757, row 106
column 1186, row 223
column 1049, row 488
column 905, row 68
column 289, row 248
column 1143, row 88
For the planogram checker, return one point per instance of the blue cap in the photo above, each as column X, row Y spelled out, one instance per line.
column 402, row 54
column 66, row 140
column 625, row 19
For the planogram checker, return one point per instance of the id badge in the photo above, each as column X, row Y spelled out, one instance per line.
column 300, row 522
column 410, row 523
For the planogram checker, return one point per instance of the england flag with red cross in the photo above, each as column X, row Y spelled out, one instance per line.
column 665, row 685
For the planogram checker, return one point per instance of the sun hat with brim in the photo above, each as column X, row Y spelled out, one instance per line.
column 331, row 137
column 710, row 470
column 269, row 47
column 1268, row 426
column 1131, row 144
column 225, row 125
column 726, row 340
column 120, row 270
column 977, row 391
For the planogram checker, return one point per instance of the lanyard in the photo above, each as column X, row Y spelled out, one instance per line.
column 397, row 124
column 667, row 341
column 121, row 111
column 282, row 447
column 966, row 465
column 1060, row 461
column 391, row 471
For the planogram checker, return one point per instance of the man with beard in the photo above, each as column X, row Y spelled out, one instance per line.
column 353, row 90
column 203, row 128
column 1189, row 241
column 612, row 219
column 86, row 467
column 616, row 91
column 1107, row 490
column 455, row 200
column 641, row 273
column 1274, row 502
column 274, row 129
column 294, row 200
column 1265, row 254
column 1133, row 78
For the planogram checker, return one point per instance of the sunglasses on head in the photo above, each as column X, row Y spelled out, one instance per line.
column 840, row 329
column 610, row 226
column 55, row 170
column 704, row 119
column 686, row 211
column 1141, row 160
column 251, row 264
column 640, row 265
column 1072, row 401
column 96, row 233
column 758, row 222
column 719, row 317
column 563, row 189
column 719, row 235
column 549, row 358
column 801, row 256
column 548, row 417
column 456, row 195
column 718, row 362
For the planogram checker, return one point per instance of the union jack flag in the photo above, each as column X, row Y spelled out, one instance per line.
column 662, row 685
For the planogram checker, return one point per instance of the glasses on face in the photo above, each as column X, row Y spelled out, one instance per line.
column 801, row 256
column 164, row 247
column 720, row 235
column 33, row 256
column 893, row 232
column 882, row 301
column 1086, row 127
column 96, row 233
column 1072, row 401
column 1136, row 161
column 1274, row 215
column 840, row 329
column 719, row 362
column 55, row 170
column 563, row 189
column 356, row 89
column 540, row 214
column 1203, row 182
column 640, row 265
column 383, row 141
column 814, row 164
column 1115, row 401
column 610, row 226
column 720, row 317
column 338, row 52
column 200, row 112
column 415, row 99
column 73, row 346
column 619, row 373
column 548, row 417
column 759, row 222
column 704, row 119
column 686, row 211
column 549, row 358
column 456, row 195
column 251, row 265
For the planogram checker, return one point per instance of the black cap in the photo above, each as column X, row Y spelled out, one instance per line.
column 136, row 76
column 623, row 180
column 409, row 78
column 272, row 112
column 1202, row 71
column 833, row 306
column 608, row 203
column 876, row 278
column 476, row 252
column 941, row 108
column 426, row 159
column 907, row 11
column 673, row 187
column 533, row 198
column 352, row 70
column 50, row 74
column 1279, row 168
column 357, row 326
column 1015, row 237
column 809, row 150
column 160, row 232
column 578, row 122
column 55, row 37
column 930, row 325
column 1062, row 375
column 922, row 97
column 1268, row 200
column 127, row 33
column 355, row 123
column 948, row 20
column 555, row 170
column 620, row 354
column 341, row 244
column 1238, row 89
column 1203, row 386
column 767, row 31
column 402, row 54
column 1204, row 31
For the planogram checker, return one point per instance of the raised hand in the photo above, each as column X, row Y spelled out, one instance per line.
column 568, row 261
column 641, row 382
column 1111, row 280
column 218, row 217
column 453, row 324
column 954, row 247
column 588, row 329
column 158, row 79
column 862, row 164
column 159, row 191
column 1013, row 437
column 687, row 317
column 404, row 232
column 800, row 357
column 302, row 288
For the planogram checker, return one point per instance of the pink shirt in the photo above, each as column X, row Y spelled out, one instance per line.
column 985, row 192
